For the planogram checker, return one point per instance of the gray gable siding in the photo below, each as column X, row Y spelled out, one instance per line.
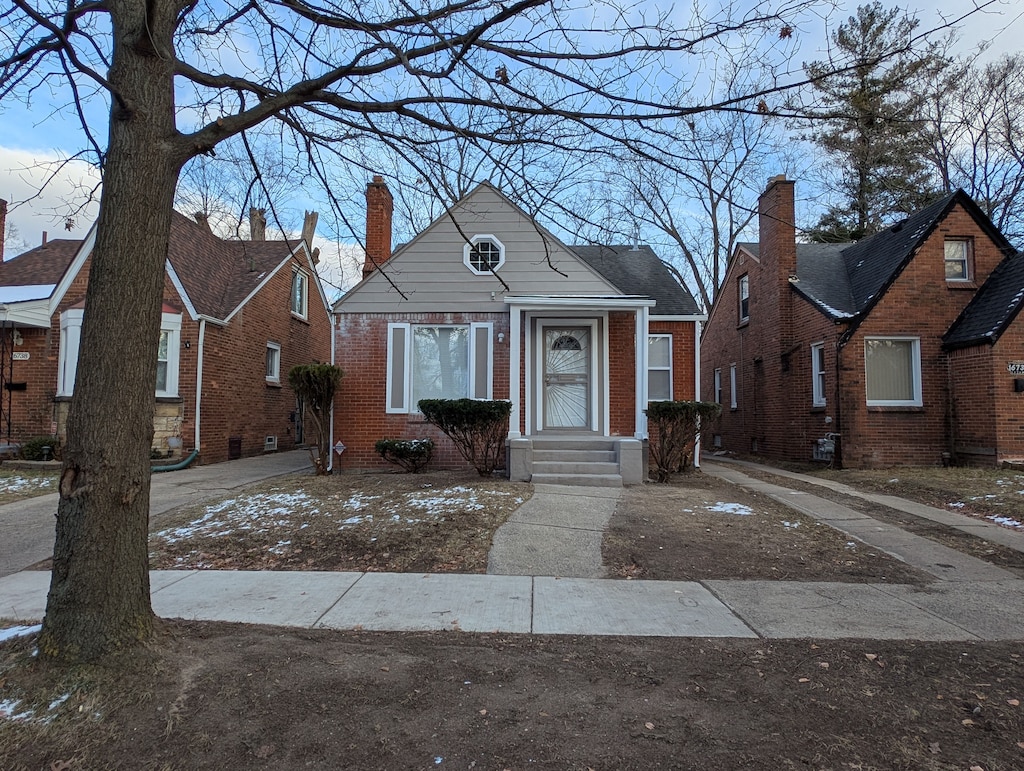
column 430, row 270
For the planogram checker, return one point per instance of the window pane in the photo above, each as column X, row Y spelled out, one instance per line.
column 659, row 388
column 161, row 376
column 440, row 359
column 890, row 370
column 273, row 370
column 299, row 293
column 161, row 352
column 659, row 352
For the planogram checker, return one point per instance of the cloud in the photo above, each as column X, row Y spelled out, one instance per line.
column 46, row 192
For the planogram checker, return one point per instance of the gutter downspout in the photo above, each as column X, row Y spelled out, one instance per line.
column 199, row 380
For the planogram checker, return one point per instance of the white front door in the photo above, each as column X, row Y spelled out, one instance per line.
column 566, row 376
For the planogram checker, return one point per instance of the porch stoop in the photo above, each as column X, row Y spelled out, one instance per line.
column 591, row 461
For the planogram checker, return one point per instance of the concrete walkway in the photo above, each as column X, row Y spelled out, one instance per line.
column 970, row 600
column 27, row 527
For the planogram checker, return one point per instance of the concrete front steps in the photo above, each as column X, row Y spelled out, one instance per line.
column 586, row 461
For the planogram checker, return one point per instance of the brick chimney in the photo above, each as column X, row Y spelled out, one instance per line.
column 380, row 207
column 3, row 226
column 776, row 209
column 257, row 224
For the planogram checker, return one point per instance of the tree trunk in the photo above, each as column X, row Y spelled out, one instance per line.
column 99, row 590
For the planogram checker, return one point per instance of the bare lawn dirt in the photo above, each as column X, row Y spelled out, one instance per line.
column 218, row 696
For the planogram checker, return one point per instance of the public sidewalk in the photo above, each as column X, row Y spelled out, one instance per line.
column 970, row 600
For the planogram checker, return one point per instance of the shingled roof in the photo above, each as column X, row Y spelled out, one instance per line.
column 993, row 307
column 43, row 265
column 217, row 275
column 846, row 280
column 639, row 271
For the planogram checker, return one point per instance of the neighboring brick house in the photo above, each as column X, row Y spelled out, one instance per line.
column 905, row 346
column 484, row 303
column 236, row 316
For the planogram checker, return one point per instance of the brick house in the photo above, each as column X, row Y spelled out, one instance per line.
column 484, row 303
column 236, row 316
column 905, row 346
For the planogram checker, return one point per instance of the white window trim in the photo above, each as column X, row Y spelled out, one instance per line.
column 718, row 386
column 303, row 312
column 743, row 282
column 733, row 401
column 171, row 323
column 818, row 375
column 70, row 344
column 70, row 340
column 650, row 367
column 967, row 246
column 915, row 363
column 467, row 249
column 404, row 388
column 275, row 378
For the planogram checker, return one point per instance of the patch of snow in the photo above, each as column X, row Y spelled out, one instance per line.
column 358, row 501
column 730, row 508
column 7, row 710
column 18, row 631
column 279, row 548
column 893, row 481
column 851, row 544
column 957, row 505
column 20, row 484
column 58, row 701
column 790, row 525
column 1008, row 521
column 982, row 497
column 356, row 520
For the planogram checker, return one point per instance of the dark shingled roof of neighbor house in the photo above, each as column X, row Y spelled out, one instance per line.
column 994, row 306
column 638, row 271
column 42, row 265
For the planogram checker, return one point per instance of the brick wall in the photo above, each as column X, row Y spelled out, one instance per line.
column 359, row 407
column 622, row 372
column 920, row 303
column 238, row 402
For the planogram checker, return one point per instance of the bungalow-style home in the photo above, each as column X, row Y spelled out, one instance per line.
column 903, row 348
column 486, row 304
column 236, row 316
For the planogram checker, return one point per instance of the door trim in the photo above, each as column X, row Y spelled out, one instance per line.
column 538, row 370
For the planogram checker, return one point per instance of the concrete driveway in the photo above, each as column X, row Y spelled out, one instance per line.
column 27, row 527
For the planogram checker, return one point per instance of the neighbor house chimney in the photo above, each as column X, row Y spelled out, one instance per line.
column 3, row 226
column 308, row 231
column 203, row 219
column 45, row 234
column 776, row 211
column 257, row 224
column 380, row 207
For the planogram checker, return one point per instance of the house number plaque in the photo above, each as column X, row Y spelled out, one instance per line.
column 24, row 356
column 1015, row 367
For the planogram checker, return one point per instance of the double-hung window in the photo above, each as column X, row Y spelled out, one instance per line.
column 300, row 293
column 958, row 259
column 733, row 402
column 273, row 363
column 659, row 368
column 743, row 289
column 892, row 369
column 168, row 349
column 718, row 386
column 443, row 361
column 818, row 374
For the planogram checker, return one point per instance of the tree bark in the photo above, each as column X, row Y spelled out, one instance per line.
column 99, row 598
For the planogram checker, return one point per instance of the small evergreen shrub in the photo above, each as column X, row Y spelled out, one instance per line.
column 32, row 449
column 477, row 428
column 410, row 454
column 673, row 429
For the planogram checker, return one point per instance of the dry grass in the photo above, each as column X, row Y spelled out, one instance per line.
column 979, row 492
column 19, row 484
column 439, row 522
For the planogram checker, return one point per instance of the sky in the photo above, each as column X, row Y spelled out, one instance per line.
column 35, row 143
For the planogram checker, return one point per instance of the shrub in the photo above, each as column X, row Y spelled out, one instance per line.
column 32, row 449
column 410, row 454
column 315, row 385
column 674, row 427
column 477, row 428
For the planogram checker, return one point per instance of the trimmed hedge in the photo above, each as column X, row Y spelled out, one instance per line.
column 673, row 429
column 477, row 428
column 410, row 454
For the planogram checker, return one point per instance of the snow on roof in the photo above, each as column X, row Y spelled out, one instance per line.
column 17, row 294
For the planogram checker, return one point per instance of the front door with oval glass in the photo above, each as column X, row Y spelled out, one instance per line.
column 566, row 377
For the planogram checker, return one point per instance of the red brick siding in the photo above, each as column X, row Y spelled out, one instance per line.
column 683, row 355
column 622, row 372
column 360, row 418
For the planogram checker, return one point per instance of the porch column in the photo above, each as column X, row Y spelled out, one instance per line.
column 642, row 319
column 514, row 369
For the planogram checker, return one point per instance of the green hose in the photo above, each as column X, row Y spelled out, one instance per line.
column 179, row 465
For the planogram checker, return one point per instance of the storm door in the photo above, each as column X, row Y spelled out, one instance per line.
column 566, row 377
